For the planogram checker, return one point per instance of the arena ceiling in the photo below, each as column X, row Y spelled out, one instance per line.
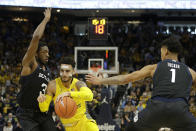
column 132, row 14
column 109, row 12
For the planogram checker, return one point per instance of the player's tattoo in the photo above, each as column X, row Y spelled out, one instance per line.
column 80, row 84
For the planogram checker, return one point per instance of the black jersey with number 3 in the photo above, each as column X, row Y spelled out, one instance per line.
column 172, row 79
column 31, row 85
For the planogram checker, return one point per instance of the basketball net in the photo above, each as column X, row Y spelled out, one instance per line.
column 94, row 70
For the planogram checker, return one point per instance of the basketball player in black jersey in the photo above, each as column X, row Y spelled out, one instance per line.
column 172, row 81
column 34, row 78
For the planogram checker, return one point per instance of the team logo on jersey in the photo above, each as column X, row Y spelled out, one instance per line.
column 44, row 77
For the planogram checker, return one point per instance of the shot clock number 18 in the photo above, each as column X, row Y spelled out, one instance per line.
column 98, row 28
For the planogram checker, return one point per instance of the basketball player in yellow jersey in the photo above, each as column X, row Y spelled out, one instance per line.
column 67, row 85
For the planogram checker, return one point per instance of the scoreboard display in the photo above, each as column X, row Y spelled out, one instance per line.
column 97, row 29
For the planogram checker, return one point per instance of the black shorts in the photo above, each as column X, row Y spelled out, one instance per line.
column 162, row 113
column 30, row 119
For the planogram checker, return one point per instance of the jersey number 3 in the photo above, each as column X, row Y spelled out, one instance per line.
column 173, row 79
column 45, row 87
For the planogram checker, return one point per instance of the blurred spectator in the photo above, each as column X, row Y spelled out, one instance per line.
column 117, row 119
column 18, row 127
column 141, row 106
column 125, row 120
column 128, row 108
column 8, row 126
column 11, row 119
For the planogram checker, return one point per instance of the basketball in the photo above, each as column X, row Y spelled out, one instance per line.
column 66, row 107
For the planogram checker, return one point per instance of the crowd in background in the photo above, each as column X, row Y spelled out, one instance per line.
column 138, row 46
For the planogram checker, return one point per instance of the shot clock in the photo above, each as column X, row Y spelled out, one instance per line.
column 97, row 28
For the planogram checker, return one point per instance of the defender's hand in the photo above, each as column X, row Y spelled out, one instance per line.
column 93, row 79
column 47, row 14
column 65, row 94
column 41, row 98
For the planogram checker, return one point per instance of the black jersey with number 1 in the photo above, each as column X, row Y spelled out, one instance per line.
column 31, row 85
column 172, row 79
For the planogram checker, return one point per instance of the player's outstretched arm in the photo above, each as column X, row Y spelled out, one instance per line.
column 146, row 71
column 30, row 54
column 45, row 99
column 193, row 73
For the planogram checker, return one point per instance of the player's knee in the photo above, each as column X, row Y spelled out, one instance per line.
column 131, row 127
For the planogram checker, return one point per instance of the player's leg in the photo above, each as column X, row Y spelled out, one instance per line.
column 91, row 125
column 192, row 125
column 180, row 119
column 149, row 119
column 35, row 129
column 132, row 127
column 48, row 125
column 188, row 122
column 26, row 120
column 28, row 125
column 69, row 128
column 85, row 125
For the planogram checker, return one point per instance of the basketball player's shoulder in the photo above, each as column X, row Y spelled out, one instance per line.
column 52, row 82
column 152, row 66
column 151, row 69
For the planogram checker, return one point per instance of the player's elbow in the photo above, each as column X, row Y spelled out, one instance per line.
column 86, row 94
column 35, row 37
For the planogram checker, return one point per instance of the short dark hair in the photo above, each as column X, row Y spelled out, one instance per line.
column 67, row 60
column 40, row 45
column 172, row 44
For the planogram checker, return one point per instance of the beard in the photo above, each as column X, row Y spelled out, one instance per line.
column 69, row 79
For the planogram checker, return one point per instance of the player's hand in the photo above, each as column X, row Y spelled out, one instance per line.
column 47, row 14
column 41, row 98
column 93, row 79
column 65, row 94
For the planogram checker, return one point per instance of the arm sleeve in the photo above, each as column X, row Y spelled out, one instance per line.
column 85, row 93
column 44, row 106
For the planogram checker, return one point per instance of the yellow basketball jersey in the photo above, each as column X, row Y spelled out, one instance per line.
column 81, row 104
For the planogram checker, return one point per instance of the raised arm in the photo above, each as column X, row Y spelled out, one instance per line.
column 29, row 57
column 146, row 71
column 193, row 73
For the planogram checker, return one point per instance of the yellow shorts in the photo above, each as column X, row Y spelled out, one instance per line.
column 83, row 125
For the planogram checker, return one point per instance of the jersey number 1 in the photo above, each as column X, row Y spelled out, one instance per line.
column 173, row 79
